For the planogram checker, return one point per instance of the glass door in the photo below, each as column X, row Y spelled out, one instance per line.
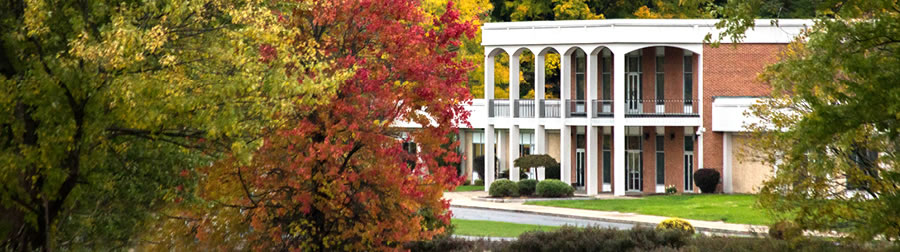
column 579, row 167
column 633, row 164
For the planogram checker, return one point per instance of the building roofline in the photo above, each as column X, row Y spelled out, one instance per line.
column 637, row 23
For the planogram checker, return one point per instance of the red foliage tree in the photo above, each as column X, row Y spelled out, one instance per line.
column 338, row 179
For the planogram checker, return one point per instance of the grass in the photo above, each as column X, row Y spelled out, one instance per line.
column 469, row 188
column 730, row 208
column 494, row 228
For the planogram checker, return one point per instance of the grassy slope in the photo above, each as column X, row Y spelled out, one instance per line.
column 494, row 228
column 712, row 207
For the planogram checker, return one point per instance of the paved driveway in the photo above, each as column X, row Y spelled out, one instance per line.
column 527, row 218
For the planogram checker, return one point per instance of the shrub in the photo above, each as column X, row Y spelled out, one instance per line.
column 504, row 188
column 479, row 182
column 785, row 230
column 676, row 224
column 552, row 172
column 707, row 179
column 554, row 188
column 527, row 187
column 670, row 189
column 597, row 239
column 505, row 174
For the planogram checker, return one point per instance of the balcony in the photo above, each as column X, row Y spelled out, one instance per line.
column 549, row 108
column 498, row 108
column 576, row 108
column 662, row 108
column 523, row 108
column 602, row 108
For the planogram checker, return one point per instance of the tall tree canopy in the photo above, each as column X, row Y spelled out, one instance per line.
column 107, row 106
column 338, row 177
column 831, row 126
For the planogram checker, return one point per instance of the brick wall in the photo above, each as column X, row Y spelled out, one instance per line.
column 731, row 71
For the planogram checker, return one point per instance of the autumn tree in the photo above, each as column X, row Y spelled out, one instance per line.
column 106, row 108
column 337, row 178
column 831, row 126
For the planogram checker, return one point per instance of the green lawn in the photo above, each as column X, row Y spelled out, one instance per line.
column 494, row 228
column 730, row 208
column 469, row 188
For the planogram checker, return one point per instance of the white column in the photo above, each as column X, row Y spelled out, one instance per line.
column 502, row 143
column 488, row 77
column 513, row 152
column 513, row 77
column 565, row 89
column 591, row 76
column 540, row 138
column 488, row 157
column 591, row 160
column 539, row 72
column 565, row 153
column 619, row 123
column 727, row 182
column 699, row 98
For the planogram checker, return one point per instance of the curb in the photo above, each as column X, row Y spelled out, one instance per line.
column 613, row 220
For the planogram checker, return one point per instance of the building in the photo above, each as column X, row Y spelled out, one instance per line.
column 644, row 103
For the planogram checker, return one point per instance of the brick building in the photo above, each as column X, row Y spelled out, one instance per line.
column 644, row 103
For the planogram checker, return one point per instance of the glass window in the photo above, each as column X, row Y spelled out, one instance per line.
column 688, row 78
column 660, row 80
column 688, row 143
column 660, row 160
column 607, row 155
column 580, row 65
column 607, row 78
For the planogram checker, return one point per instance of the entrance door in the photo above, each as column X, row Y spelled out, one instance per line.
column 633, row 94
column 633, row 170
column 633, row 164
column 579, row 167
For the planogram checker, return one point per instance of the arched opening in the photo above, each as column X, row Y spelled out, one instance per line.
column 661, row 80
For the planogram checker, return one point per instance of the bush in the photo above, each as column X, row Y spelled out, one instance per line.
column 554, row 188
column 505, row 175
column 785, row 230
column 597, row 239
column 527, row 187
column 676, row 224
column 707, row 179
column 504, row 188
column 552, row 172
column 670, row 189
column 479, row 182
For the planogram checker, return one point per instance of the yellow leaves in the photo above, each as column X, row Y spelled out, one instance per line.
column 36, row 15
column 644, row 12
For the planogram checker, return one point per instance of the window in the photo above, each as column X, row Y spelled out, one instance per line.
column 477, row 144
column 866, row 161
column 660, row 160
column 580, row 62
column 526, row 144
column 607, row 77
column 660, row 80
column 688, row 163
column 688, row 78
column 607, row 155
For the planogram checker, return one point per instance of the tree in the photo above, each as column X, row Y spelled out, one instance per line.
column 106, row 107
column 551, row 167
column 337, row 178
column 830, row 127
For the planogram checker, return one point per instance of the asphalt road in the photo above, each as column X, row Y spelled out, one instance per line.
column 526, row 218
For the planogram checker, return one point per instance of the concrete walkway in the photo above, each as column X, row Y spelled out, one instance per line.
column 465, row 200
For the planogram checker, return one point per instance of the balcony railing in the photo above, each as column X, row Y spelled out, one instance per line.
column 602, row 108
column 498, row 108
column 662, row 107
column 576, row 108
column 524, row 108
column 549, row 108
